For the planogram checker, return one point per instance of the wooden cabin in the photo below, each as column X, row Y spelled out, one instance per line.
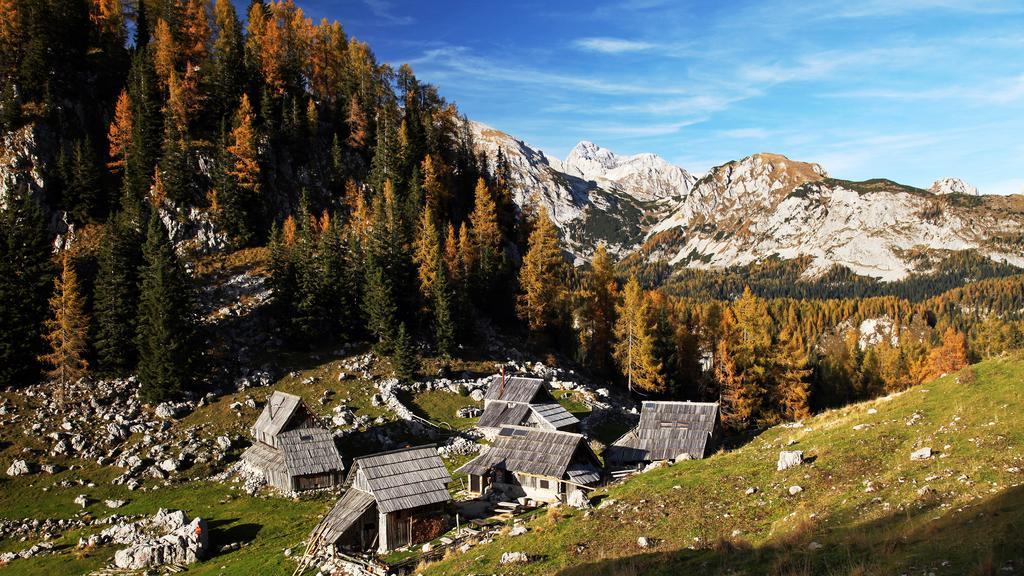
column 393, row 499
column 543, row 465
column 668, row 431
column 521, row 401
column 293, row 453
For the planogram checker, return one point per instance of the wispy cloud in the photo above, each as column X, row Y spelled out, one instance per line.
column 998, row 91
column 385, row 11
column 612, row 45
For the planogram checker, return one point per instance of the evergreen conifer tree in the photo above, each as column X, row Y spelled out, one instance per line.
column 116, row 297
column 166, row 322
column 67, row 329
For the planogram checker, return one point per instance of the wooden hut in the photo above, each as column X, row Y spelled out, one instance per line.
column 521, row 401
column 393, row 499
column 293, row 453
column 544, row 465
column 668, row 431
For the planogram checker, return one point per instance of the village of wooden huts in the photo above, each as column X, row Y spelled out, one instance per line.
column 668, row 431
column 392, row 499
column 522, row 401
column 291, row 450
column 542, row 465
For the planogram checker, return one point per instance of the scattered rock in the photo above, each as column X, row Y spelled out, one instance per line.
column 82, row 500
column 644, row 542
column 751, row 491
column 514, row 558
column 815, row 546
column 20, row 468
column 922, row 454
column 477, row 395
column 789, row 459
column 114, row 504
column 578, row 499
column 517, row 531
column 794, row 490
column 224, row 443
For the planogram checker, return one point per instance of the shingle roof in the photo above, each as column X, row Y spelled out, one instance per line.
column 554, row 415
column 666, row 430
column 264, row 457
column 279, row 409
column 497, row 414
column 309, row 451
column 514, row 389
column 404, row 479
column 345, row 513
column 530, row 450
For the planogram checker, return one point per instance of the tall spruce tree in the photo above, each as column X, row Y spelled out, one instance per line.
column 444, row 323
column 146, row 125
column 379, row 307
column 25, row 276
column 404, row 360
column 116, row 297
column 166, row 320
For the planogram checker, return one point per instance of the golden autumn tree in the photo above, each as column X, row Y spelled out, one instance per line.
column 426, row 254
column 634, row 341
column 947, row 358
column 543, row 294
column 598, row 296
column 486, row 234
column 244, row 152
column 120, row 133
column 108, row 18
column 165, row 52
column 740, row 395
column 196, row 33
column 357, row 126
column 67, row 329
column 434, row 173
column 452, row 258
column 790, row 374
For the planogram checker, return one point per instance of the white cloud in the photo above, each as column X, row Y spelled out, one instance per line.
column 384, row 10
column 612, row 45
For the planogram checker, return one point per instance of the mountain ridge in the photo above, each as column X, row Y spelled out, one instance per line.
column 753, row 208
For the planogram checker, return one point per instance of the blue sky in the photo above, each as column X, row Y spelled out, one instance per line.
column 911, row 90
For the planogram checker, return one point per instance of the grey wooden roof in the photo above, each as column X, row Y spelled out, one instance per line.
column 533, row 451
column 279, row 409
column 554, row 415
column 403, row 479
column 666, row 430
column 264, row 458
column 353, row 504
column 515, row 388
column 309, row 451
column 499, row 413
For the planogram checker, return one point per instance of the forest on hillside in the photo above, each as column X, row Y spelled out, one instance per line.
column 378, row 222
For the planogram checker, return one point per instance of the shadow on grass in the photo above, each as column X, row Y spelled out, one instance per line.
column 982, row 539
column 225, row 531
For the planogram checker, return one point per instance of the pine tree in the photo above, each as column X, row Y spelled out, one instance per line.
column 790, row 373
column 444, row 323
column 116, row 299
column 146, row 126
column 543, row 293
column 403, row 359
column 66, row 330
column 228, row 73
column 166, row 322
column 84, row 195
column 25, row 275
column 379, row 307
column 634, row 342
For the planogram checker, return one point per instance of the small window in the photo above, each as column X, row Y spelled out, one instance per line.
column 544, row 484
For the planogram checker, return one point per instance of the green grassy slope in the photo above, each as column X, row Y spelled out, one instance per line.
column 866, row 508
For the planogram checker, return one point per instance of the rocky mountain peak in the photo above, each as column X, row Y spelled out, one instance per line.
column 953, row 186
